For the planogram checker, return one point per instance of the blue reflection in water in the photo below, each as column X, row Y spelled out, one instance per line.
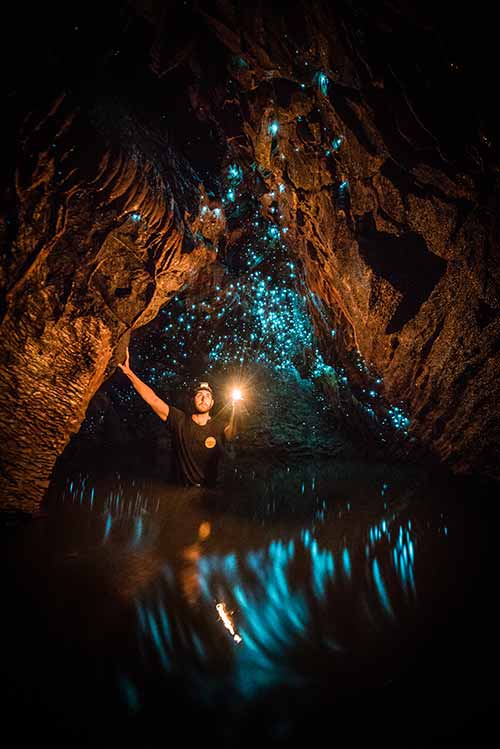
column 346, row 561
column 129, row 692
column 271, row 590
column 154, row 627
column 138, row 531
column 117, row 508
column 152, row 623
column 273, row 618
column 403, row 556
column 318, row 586
column 381, row 589
column 109, row 522
column 323, row 569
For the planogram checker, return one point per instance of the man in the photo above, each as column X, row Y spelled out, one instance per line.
column 198, row 439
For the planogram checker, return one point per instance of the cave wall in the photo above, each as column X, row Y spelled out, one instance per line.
column 390, row 199
column 105, row 229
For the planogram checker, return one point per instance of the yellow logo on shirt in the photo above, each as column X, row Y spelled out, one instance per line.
column 210, row 442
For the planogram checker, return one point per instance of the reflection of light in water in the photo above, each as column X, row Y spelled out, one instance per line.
column 346, row 561
column 129, row 692
column 121, row 517
column 109, row 522
column 293, row 598
column 323, row 567
column 226, row 619
column 141, row 533
column 204, row 530
column 403, row 557
column 138, row 531
column 274, row 618
column 274, row 608
column 117, row 505
column 381, row 589
column 119, row 500
column 154, row 625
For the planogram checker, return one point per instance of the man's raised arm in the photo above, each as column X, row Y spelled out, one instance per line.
column 159, row 407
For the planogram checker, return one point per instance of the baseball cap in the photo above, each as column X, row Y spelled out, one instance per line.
column 203, row 386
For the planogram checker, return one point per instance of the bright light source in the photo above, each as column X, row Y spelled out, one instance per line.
column 236, row 394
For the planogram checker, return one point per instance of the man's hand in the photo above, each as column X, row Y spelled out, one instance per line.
column 231, row 428
column 125, row 367
column 238, row 408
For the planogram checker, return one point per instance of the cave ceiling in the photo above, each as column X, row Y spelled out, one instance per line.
column 155, row 149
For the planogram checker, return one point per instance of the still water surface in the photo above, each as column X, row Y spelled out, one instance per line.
column 344, row 598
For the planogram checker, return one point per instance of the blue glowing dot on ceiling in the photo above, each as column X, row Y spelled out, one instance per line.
column 273, row 128
column 337, row 142
column 235, row 173
column 262, row 319
column 322, row 81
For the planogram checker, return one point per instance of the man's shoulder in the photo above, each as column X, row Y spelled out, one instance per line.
column 175, row 415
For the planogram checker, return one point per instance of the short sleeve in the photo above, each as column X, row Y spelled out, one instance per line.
column 175, row 416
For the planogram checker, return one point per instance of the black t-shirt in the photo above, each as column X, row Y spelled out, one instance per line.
column 197, row 449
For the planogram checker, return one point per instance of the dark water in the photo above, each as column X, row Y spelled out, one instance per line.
column 361, row 600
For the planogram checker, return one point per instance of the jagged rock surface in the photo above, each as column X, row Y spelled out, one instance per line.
column 102, row 239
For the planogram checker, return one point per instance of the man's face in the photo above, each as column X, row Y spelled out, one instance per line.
column 203, row 401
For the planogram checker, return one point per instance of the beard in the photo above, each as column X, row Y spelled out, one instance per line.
column 202, row 409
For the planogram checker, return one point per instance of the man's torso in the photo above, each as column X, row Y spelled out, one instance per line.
column 197, row 449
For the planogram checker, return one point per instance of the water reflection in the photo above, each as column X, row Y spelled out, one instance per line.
column 282, row 580
column 289, row 601
column 318, row 579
